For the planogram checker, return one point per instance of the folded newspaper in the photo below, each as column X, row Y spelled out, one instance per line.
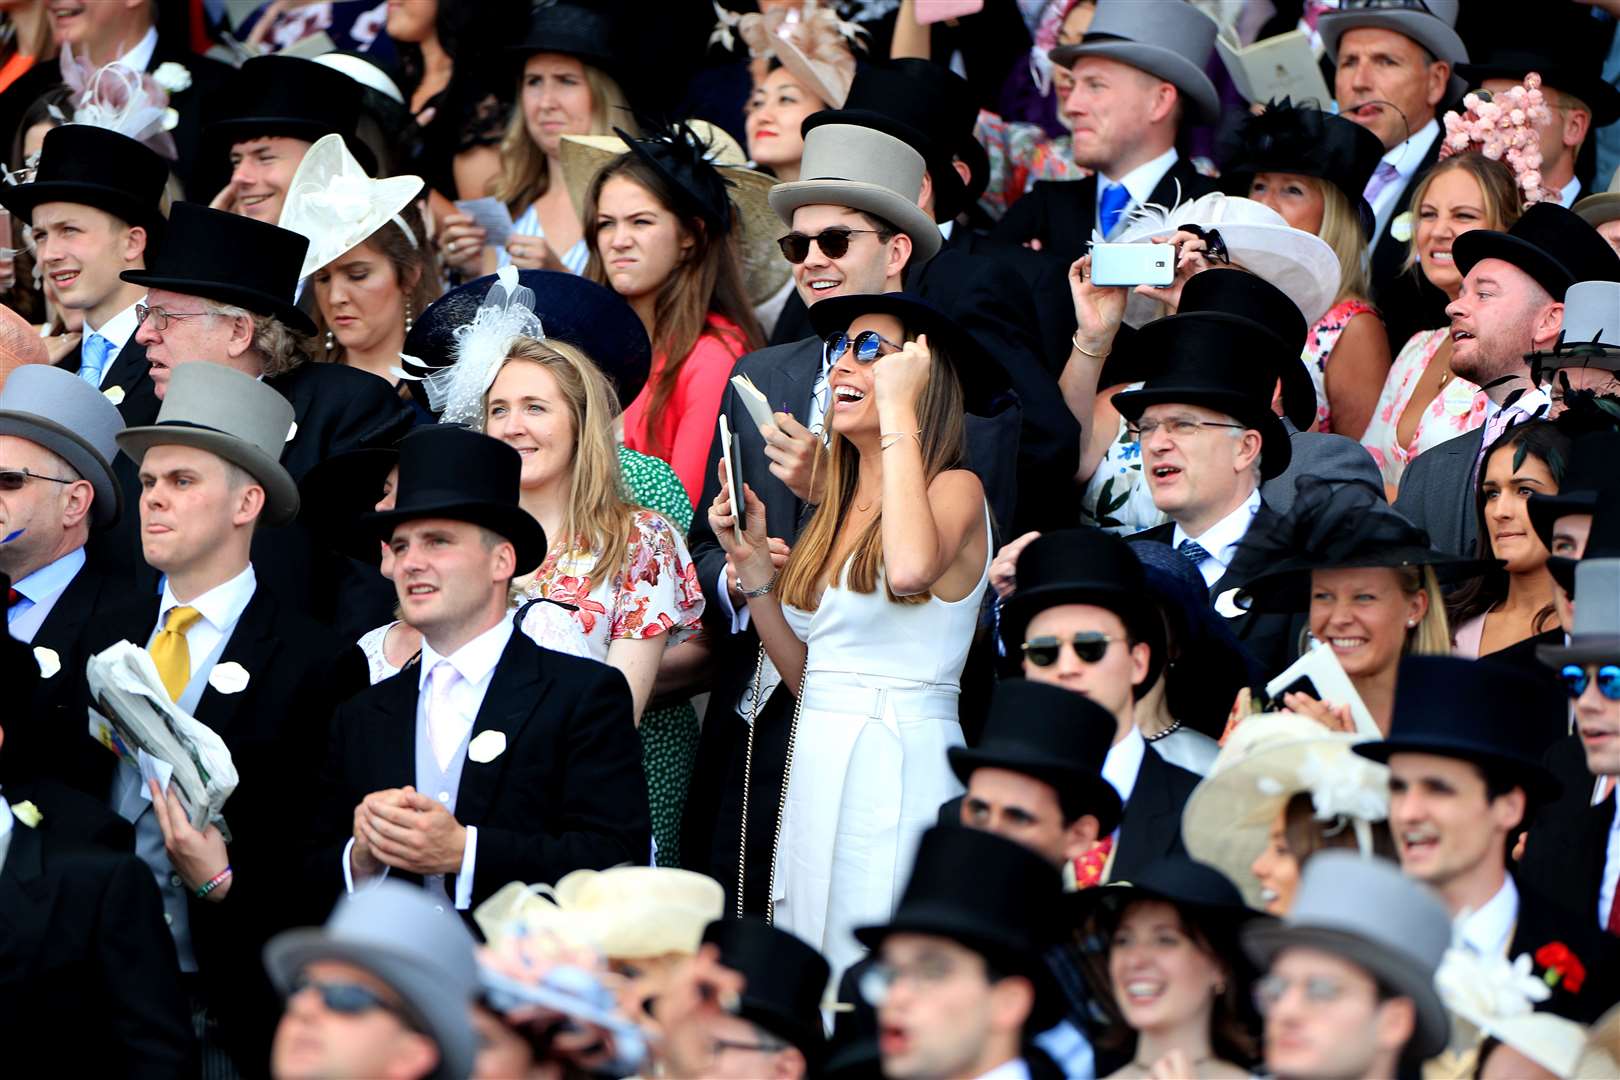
column 133, row 713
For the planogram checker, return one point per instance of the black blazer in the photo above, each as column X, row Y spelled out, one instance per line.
column 568, row 792
column 1151, row 825
column 1044, row 278
column 1405, row 299
column 1568, row 844
column 82, row 937
column 1061, row 213
column 1545, row 920
column 1437, row 493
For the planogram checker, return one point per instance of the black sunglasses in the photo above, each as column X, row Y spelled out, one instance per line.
column 834, row 243
column 1088, row 645
column 1576, row 679
column 346, row 999
column 868, row 344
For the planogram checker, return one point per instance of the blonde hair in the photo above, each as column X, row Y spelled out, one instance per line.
column 525, row 169
column 1341, row 231
column 940, row 415
column 599, row 517
column 1498, row 195
column 1432, row 635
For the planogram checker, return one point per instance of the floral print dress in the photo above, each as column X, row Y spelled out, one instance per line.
column 1319, row 346
column 1116, row 500
column 1457, row 409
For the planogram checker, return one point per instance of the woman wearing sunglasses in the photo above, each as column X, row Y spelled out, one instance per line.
column 870, row 620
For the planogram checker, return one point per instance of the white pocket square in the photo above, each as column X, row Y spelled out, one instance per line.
column 49, row 663
column 228, row 678
column 487, row 747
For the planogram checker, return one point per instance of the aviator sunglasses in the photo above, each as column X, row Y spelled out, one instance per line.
column 1576, row 680
column 868, row 346
column 1088, row 645
column 834, row 243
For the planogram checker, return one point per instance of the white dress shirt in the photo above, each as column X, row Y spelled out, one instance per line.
column 475, row 662
column 1489, row 931
column 40, row 591
column 1406, row 157
column 117, row 330
column 5, row 831
column 140, row 56
column 1139, row 183
column 1124, row 761
column 1016, row 1069
column 1221, row 539
column 1569, row 192
column 219, row 607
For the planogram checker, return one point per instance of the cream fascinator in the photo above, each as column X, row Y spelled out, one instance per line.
column 811, row 41
column 626, row 913
column 117, row 98
column 333, row 203
column 1497, row 998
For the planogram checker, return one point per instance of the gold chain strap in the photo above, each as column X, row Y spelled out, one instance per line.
column 748, row 769
column 781, row 806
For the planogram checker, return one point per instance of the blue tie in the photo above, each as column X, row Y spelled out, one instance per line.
column 1114, row 201
column 1193, row 552
column 93, row 359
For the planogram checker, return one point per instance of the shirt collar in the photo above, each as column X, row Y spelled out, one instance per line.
column 221, row 606
column 1406, row 156
column 1488, row 930
column 6, row 818
column 51, row 578
column 473, row 661
column 1568, row 193
column 1221, row 539
column 140, row 57
column 1016, row 1069
column 118, row 329
column 1141, row 180
column 1124, row 761
column 1528, row 402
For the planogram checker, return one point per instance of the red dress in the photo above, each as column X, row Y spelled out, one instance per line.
column 686, row 425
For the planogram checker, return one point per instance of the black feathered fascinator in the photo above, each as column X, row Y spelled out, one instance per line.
column 680, row 155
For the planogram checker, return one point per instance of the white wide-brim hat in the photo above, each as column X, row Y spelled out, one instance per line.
column 333, row 203
column 626, row 913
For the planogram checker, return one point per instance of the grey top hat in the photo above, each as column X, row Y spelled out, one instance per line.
column 1430, row 23
column 1596, row 636
column 394, row 931
column 1601, row 207
column 1591, row 334
column 864, row 169
column 69, row 417
column 230, row 414
column 1369, row 913
column 1168, row 38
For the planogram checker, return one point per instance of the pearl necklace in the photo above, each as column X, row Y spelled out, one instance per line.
column 1174, row 727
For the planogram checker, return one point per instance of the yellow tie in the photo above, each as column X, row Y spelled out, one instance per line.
column 169, row 651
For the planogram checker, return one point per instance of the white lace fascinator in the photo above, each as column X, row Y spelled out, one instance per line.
column 336, row 206
column 117, row 98
column 456, row 391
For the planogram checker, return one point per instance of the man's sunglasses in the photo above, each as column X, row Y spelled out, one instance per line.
column 1088, row 645
column 17, row 479
column 834, row 243
column 1577, row 678
column 346, row 999
column 868, row 345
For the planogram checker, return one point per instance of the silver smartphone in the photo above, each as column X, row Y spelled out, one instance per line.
column 1132, row 264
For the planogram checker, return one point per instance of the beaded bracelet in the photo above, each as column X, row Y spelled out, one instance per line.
column 213, row 883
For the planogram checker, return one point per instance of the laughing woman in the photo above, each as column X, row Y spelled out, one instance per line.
column 870, row 619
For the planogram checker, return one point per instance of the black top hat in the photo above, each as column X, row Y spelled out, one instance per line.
column 1198, row 890
column 1083, row 566
column 454, row 473
column 1591, row 463
column 230, row 259
column 291, row 97
column 785, row 980
column 1339, row 525
column 679, row 155
column 572, row 30
column 982, row 377
column 1551, row 244
column 338, row 491
column 1011, row 925
column 1054, row 735
column 852, row 1051
column 1231, row 291
column 1289, row 138
column 92, row 166
column 928, row 107
column 1210, row 360
column 1601, row 499
column 584, row 314
column 1482, row 711
column 1566, row 54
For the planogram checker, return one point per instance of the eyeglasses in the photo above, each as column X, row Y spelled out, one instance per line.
column 834, row 243
column 346, row 999
column 1088, row 645
column 1576, row 678
column 878, row 981
column 720, row 1046
column 160, row 317
column 17, row 479
column 1319, row 990
column 1177, row 427
column 869, row 345
column 1376, row 5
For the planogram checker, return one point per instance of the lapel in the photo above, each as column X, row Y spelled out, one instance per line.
column 1390, row 252
column 1142, row 834
column 253, row 645
column 72, row 610
column 24, row 908
column 793, row 379
column 393, row 748
column 1175, row 185
column 1072, row 217
column 516, row 693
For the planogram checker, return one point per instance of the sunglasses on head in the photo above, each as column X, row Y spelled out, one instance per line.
column 834, row 243
column 346, row 999
column 1088, row 645
column 1576, row 679
column 868, row 345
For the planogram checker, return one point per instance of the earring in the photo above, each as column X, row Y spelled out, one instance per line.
column 1411, row 624
column 408, row 322
column 331, row 341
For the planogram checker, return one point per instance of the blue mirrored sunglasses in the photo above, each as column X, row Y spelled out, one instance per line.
column 1576, row 679
column 869, row 345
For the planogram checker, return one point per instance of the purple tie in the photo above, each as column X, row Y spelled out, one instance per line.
column 1383, row 176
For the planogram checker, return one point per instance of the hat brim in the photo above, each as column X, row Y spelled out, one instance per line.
column 904, row 214
column 1275, row 449
column 1538, row 781
column 1582, row 649
column 221, row 135
column 418, row 984
column 72, row 448
column 1263, row 941
column 1095, row 793
column 261, row 303
column 280, row 492
column 1598, row 209
column 22, row 199
column 1589, row 87
column 1477, row 245
column 1286, row 588
column 1562, row 569
column 1545, row 510
column 331, row 490
column 1427, row 30
column 951, row 195
column 1172, row 67
column 513, row 523
column 820, row 78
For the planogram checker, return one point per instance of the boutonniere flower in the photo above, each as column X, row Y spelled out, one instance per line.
column 114, row 394
column 172, row 76
column 228, row 678
column 1562, row 965
column 1401, row 227
column 27, row 813
column 49, row 663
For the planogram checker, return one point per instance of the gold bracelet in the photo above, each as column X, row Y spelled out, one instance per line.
column 894, row 438
column 1082, row 350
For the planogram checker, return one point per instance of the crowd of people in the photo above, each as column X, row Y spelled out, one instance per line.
column 922, row 539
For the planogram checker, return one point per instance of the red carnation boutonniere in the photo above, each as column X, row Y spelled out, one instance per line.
column 1561, row 964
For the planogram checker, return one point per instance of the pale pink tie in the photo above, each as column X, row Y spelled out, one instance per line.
column 1383, row 176
column 444, row 724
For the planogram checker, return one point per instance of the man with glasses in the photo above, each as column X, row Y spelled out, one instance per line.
column 1348, row 991
column 386, row 988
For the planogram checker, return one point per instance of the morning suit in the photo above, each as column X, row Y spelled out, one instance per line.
column 1568, row 845
column 1150, row 827
column 1337, row 459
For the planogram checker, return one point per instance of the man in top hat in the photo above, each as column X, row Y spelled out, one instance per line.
column 385, row 988
column 1394, row 66
column 230, row 653
column 1348, row 991
column 128, row 32
column 775, row 1028
column 57, row 487
column 1138, row 76
column 1586, row 355
column 1511, row 304
column 267, row 117
column 222, row 293
column 493, row 760
column 1465, row 780
column 1081, row 619
column 961, row 974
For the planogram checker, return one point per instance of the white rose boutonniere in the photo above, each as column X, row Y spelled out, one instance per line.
column 27, row 813
column 172, row 77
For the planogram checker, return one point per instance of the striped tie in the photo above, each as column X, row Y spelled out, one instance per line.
column 1193, row 552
